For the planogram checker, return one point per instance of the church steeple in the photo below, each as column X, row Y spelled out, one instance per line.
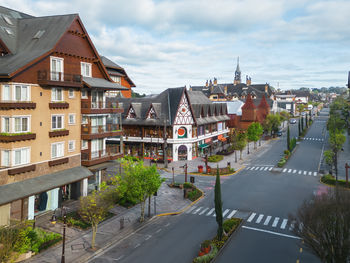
column 237, row 79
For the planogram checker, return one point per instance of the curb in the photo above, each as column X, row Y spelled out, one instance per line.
column 184, row 209
column 213, row 175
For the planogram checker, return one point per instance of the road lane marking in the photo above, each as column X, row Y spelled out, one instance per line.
column 190, row 210
column 310, row 173
column 168, row 224
column 291, row 227
column 203, row 211
column 158, row 230
column 251, row 217
column 266, row 168
column 270, row 232
column 275, row 222
column 259, row 219
column 137, row 245
column 197, row 210
column 211, row 211
column 232, row 213
column 270, row 168
column 305, row 172
column 315, row 173
column 148, row 237
column 117, row 259
column 284, row 170
column 299, row 172
column 294, row 171
column 247, row 168
column 289, row 170
column 225, row 212
column 262, row 168
column 267, row 220
column 284, row 223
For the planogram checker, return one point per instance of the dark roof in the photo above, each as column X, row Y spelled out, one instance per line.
column 102, row 83
column 109, row 63
column 116, row 70
column 22, row 44
column 29, row 187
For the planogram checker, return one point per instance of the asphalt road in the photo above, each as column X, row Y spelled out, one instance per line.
column 263, row 198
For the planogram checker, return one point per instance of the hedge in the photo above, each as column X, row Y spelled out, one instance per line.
column 330, row 179
column 215, row 158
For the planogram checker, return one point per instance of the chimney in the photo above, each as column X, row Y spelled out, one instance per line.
column 210, row 83
column 215, row 81
column 248, row 80
column 206, row 83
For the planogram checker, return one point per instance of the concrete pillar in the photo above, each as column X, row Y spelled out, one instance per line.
column 54, row 198
column 31, row 203
column 84, row 187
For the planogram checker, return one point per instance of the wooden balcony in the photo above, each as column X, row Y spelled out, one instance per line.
column 14, row 105
column 58, row 161
column 89, row 132
column 88, row 107
column 50, row 78
column 59, row 105
column 24, row 169
column 89, row 158
column 14, row 137
column 58, row 133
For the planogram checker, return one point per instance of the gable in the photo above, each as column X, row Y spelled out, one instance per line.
column 184, row 113
column 151, row 113
column 131, row 113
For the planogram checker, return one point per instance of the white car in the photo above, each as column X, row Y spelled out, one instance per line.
column 292, row 121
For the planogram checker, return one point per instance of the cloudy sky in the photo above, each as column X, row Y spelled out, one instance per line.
column 163, row 44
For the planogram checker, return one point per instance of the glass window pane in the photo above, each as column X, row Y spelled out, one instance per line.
column 24, row 93
column 7, row 92
column 59, row 122
column 17, row 157
column 18, row 93
column 53, row 150
column 54, row 124
column 17, row 124
column 24, row 124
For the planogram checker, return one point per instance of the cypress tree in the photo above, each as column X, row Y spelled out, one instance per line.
column 218, row 205
column 306, row 122
column 302, row 124
column 299, row 127
column 288, row 139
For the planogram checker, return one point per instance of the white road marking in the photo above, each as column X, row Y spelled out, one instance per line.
column 284, row 223
column 203, row 211
column 190, row 210
column 270, row 232
column 119, row 258
column 251, row 217
column 148, row 237
column 310, row 173
column 158, row 230
column 275, row 222
column 232, row 213
column 168, row 224
column 211, row 211
column 289, row 170
column 299, row 172
column 267, row 220
column 305, row 172
column 262, row 168
column 196, row 211
column 270, row 168
column 259, row 219
column 294, row 171
column 266, row 168
column 225, row 212
column 291, row 227
column 137, row 245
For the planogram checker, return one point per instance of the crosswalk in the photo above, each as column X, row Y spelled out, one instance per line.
column 253, row 218
column 299, row 172
column 313, row 139
column 259, row 168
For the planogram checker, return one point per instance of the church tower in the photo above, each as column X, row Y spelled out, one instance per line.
column 237, row 74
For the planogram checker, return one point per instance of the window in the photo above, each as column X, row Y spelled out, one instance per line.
column 71, row 118
column 116, row 79
column 56, row 94
column 56, row 69
column 57, row 149
column 21, row 93
column 85, row 69
column 71, row 93
column 71, row 146
column 6, row 95
column 57, row 122
column 5, row 158
column 84, row 144
column 84, row 120
column 21, row 156
column 21, row 124
column 84, row 94
column 5, row 124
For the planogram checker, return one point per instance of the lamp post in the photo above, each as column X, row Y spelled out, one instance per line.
column 53, row 221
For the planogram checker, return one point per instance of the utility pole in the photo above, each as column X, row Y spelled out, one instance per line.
column 165, row 156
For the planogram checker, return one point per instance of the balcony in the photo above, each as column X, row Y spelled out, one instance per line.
column 89, row 132
column 112, row 152
column 88, row 107
column 14, row 137
column 50, row 78
column 59, row 105
column 58, row 133
column 58, row 161
column 14, row 105
column 23, row 169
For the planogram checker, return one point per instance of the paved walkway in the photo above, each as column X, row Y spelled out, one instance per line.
column 110, row 231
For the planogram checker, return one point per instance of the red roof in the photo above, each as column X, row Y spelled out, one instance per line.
column 263, row 103
column 248, row 103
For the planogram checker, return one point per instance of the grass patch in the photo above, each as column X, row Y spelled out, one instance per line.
column 215, row 158
column 74, row 220
column 330, row 180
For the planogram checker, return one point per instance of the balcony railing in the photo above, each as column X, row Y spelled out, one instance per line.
column 12, row 105
column 100, row 107
column 51, row 78
column 111, row 152
column 100, row 131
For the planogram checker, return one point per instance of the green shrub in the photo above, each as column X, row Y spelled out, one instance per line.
column 205, row 244
column 188, row 185
column 329, row 179
column 230, row 224
column 286, row 152
column 194, row 194
column 215, row 158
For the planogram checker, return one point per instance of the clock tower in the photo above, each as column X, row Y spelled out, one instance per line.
column 237, row 79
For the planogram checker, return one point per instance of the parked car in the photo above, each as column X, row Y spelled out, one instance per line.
column 303, row 113
column 292, row 121
column 279, row 133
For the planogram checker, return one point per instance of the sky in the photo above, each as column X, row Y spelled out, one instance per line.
column 165, row 44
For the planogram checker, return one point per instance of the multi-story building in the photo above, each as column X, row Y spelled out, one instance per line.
column 53, row 113
column 193, row 124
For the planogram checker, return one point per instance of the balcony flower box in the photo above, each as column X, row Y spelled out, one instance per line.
column 11, row 105
column 24, row 169
column 59, row 105
column 13, row 137
column 58, row 161
column 58, row 133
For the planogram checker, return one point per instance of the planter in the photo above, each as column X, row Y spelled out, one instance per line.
column 58, row 133
column 58, row 161
column 19, row 170
column 58, row 105
column 20, row 137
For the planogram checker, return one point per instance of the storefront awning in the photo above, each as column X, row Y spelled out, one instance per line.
column 29, row 187
column 202, row 146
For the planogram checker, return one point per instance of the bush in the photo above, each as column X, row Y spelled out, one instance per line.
column 188, row 185
column 208, row 257
column 230, row 225
column 194, row 194
column 286, row 152
column 330, row 179
column 215, row 158
column 282, row 162
column 205, row 244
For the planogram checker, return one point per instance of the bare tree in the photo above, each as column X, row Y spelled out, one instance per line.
column 324, row 224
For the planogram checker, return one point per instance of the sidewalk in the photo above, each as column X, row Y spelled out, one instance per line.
column 109, row 232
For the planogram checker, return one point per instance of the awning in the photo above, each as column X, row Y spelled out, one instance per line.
column 102, row 84
column 202, row 146
column 29, row 187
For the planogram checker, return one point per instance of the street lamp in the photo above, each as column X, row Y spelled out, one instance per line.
column 53, row 221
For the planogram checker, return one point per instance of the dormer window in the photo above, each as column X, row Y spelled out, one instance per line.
column 152, row 114
column 116, row 79
column 131, row 114
column 85, row 69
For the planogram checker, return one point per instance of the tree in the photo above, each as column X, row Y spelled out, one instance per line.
column 336, row 140
column 254, row 132
column 323, row 223
column 241, row 143
column 302, row 124
column 234, row 143
column 274, row 121
column 218, row 205
column 288, row 139
column 284, row 116
column 138, row 183
column 93, row 209
column 299, row 128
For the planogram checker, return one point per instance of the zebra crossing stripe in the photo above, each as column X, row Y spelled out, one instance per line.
column 203, row 211
column 190, row 210
column 267, row 220
column 310, row 173
column 291, row 227
column 270, row 168
column 294, row 171
column 259, row 219
column 262, row 168
column 315, row 173
column 231, row 214
column 289, row 170
column 305, row 172
column 225, row 212
column 211, row 211
column 275, row 222
column 284, row 223
column 266, row 168
column 196, row 211
column 299, row 172
column 247, row 168
column 251, row 217
column 284, row 170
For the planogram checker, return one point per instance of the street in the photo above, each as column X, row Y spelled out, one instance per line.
column 262, row 197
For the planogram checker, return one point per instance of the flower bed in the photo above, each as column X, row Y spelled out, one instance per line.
column 191, row 192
